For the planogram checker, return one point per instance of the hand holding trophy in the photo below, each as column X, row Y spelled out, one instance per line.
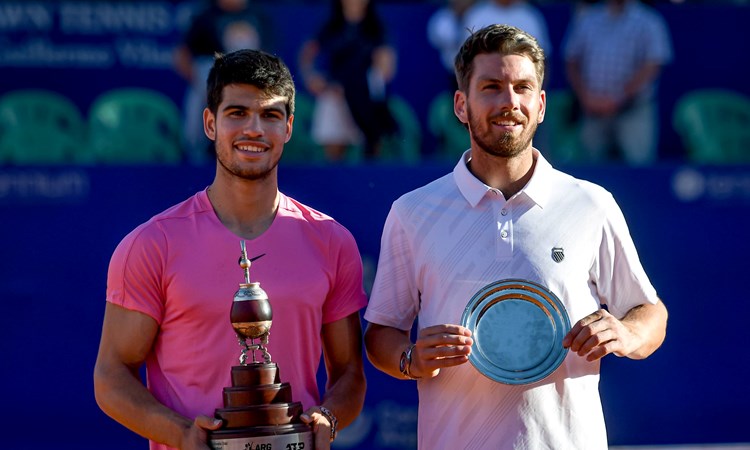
column 258, row 409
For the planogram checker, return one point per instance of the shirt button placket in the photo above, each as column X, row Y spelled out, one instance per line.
column 504, row 246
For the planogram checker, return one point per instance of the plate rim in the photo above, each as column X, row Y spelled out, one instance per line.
column 556, row 310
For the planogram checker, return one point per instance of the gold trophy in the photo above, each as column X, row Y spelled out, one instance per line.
column 258, row 412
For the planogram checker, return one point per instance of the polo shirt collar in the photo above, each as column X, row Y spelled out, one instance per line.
column 538, row 189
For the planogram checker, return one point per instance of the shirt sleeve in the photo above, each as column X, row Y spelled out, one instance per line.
column 621, row 281
column 394, row 300
column 659, row 47
column 134, row 278
column 348, row 294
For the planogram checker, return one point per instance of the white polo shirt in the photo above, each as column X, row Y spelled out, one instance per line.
column 446, row 240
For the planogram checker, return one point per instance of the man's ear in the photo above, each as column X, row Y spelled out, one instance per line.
column 209, row 124
column 289, row 128
column 543, row 105
column 459, row 107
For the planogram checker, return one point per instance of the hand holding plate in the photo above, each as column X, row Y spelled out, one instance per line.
column 600, row 334
column 440, row 346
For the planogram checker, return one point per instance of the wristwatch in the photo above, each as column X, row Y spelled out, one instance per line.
column 331, row 419
column 404, row 364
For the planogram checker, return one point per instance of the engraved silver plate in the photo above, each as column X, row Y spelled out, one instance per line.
column 518, row 327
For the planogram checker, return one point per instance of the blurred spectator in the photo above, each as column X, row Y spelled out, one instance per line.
column 347, row 66
column 518, row 13
column 614, row 54
column 222, row 26
column 446, row 32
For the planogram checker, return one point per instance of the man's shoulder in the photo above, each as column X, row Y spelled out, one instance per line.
column 568, row 185
column 292, row 206
column 314, row 219
column 437, row 188
column 174, row 216
column 187, row 208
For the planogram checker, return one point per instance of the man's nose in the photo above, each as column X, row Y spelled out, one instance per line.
column 508, row 98
column 253, row 125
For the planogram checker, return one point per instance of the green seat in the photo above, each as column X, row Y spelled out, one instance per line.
column 135, row 126
column 452, row 135
column 302, row 148
column 561, row 128
column 406, row 144
column 41, row 127
column 714, row 125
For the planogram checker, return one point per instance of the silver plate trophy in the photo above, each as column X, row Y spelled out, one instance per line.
column 518, row 327
column 258, row 410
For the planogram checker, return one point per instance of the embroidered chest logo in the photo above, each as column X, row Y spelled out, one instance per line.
column 253, row 258
column 558, row 254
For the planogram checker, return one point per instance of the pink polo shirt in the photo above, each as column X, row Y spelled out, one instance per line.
column 181, row 269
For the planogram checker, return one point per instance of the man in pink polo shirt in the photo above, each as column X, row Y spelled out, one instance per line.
column 171, row 281
column 506, row 213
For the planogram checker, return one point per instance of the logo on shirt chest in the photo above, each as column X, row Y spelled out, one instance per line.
column 558, row 254
column 254, row 258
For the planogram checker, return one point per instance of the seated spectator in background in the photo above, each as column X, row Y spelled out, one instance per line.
column 347, row 66
column 614, row 54
column 518, row 13
column 446, row 32
column 223, row 26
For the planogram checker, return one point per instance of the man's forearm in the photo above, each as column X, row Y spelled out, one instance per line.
column 384, row 347
column 122, row 396
column 346, row 396
column 649, row 323
column 345, row 389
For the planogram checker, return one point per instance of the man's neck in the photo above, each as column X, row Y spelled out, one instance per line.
column 245, row 207
column 508, row 175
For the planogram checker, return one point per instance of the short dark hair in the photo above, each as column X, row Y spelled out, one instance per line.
column 255, row 67
column 503, row 39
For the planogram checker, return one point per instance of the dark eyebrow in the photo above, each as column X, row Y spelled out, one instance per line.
column 530, row 81
column 271, row 108
column 234, row 107
column 276, row 107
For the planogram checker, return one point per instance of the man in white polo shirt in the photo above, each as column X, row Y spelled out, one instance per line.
column 506, row 213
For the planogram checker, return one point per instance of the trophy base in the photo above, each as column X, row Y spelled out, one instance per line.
column 281, row 437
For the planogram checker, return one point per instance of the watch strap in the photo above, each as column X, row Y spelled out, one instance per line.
column 405, row 362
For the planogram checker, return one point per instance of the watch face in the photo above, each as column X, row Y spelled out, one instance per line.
column 402, row 363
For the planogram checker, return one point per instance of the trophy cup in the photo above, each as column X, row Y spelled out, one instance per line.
column 258, row 412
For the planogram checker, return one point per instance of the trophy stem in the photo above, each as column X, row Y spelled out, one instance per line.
column 252, row 348
column 243, row 352
column 244, row 262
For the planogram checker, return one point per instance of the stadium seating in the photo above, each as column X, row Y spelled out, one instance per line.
column 402, row 147
column 714, row 125
column 442, row 122
column 405, row 146
column 560, row 129
column 41, row 127
column 135, row 126
column 302, row 148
